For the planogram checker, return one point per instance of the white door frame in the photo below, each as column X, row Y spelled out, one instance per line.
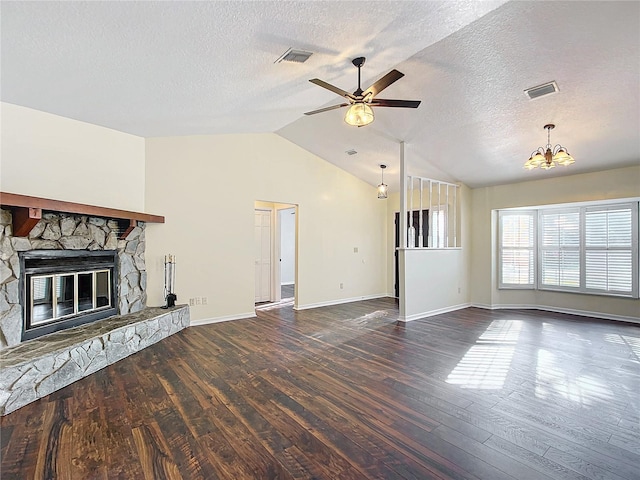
column 276, row 291
column 276, row 233
column 279, row 210
column 271, row 237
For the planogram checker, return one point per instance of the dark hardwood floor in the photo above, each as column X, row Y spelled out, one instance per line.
column 345, row 392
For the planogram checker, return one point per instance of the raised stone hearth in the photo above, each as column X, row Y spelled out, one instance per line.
column 39, row 367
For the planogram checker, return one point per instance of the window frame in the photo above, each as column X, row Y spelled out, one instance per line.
column 635, row 252
column 541, row 248
column 538, row 247
column 517, row 286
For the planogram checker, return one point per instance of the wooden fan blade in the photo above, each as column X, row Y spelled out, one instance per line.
column 326, row 109
column 384, row 82
column 334, row 89
column 382, row 102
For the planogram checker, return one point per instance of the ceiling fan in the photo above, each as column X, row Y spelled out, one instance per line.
column 360, row 112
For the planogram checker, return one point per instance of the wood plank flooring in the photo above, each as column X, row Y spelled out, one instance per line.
column 345, row 392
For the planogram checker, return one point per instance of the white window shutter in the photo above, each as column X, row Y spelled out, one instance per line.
column 560, row 249
column 517, row 249
column 609, row 249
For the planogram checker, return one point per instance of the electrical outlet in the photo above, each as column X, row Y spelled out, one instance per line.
column 355, row 249
column 204, row 300
column 341, row 286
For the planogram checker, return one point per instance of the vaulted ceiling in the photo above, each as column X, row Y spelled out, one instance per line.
column 183, row 68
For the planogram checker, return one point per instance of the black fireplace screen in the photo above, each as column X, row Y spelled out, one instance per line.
column 65, row 288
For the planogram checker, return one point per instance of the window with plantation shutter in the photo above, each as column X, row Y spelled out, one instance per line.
column 611, row 249
column 589, row 249
column 517, row 248
column 560, row 248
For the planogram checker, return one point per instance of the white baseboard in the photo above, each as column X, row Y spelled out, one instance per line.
column 228, row 318
column 417, row 316
column 338, row 302
column 431, row 313
column 546, row 308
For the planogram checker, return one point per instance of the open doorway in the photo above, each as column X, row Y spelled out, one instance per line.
column 275, row 229
column 287, row 223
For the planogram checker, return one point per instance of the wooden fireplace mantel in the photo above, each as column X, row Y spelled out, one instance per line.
column 27, row 211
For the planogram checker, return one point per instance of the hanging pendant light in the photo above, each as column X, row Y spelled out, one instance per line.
column 382, row 188
column 548, row 158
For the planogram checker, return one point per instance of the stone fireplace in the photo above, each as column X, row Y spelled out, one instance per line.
column 55, row 239
column 71, row 267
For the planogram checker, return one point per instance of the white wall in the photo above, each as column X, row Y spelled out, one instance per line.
column 434, row 282
column 287, row 246
column 206, row 187
column 49, row 156
column 610, row 184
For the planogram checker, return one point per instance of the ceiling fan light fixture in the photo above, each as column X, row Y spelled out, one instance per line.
column 359, row 114
column 359, row 102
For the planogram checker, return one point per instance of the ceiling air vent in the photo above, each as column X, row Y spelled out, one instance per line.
column 296, row 56
column 542, row 90
column 351, row 152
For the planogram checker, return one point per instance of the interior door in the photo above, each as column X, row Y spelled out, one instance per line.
column 263, row 255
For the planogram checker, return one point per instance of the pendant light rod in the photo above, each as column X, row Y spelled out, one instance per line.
column 549, row 127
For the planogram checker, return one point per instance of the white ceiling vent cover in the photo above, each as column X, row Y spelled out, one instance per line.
column 296, row 56
column 542, row 90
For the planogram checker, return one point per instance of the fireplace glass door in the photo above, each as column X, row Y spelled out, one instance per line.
column 62, row 289
column 42, row 308
column 58, row 296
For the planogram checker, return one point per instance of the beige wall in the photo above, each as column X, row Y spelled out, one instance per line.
column 611, row 184
column 49, row 156
column 206, row 186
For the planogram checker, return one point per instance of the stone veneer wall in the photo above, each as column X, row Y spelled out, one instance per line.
column 68, row 232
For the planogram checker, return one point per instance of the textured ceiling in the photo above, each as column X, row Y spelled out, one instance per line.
column 180, row 68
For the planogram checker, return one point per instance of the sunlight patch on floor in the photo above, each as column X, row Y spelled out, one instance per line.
column 272, row 306
column 633, row 343
column 553, row 379
column 487, row 363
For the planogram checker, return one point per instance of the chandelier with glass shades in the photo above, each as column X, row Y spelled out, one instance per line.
column 551, row 157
